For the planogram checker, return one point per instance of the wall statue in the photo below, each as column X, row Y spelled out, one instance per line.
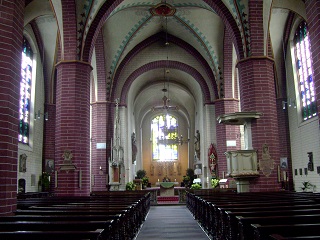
column 197, row 144
column 134, row 147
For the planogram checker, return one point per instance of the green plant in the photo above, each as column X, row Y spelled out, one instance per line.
column 130, row 186
column 188, row 179
column 145, row 181
column 44, row 181
column 214, row 182
column 306, row 185
column 141, row 173
column 195, row 186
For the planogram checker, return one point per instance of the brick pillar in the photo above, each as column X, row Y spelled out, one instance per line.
column 256, row 27
column 73, row 126
column 98, row 126
column 225, row 132
column 11, row 18
column 313, row 15
column 257, row 91
column 99, row 157
column 227, row 105
column 49, row 138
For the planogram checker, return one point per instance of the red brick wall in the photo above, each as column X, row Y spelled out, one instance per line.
column 11, row 25
column 257, row 92
column 72, row 125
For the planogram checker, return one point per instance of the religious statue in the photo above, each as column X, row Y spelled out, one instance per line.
column 23, row 163
column 212, row 155
column 151, row 169
column 197, row 144
column 134, row 147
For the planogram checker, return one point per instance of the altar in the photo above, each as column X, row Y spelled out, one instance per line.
column 167, row 188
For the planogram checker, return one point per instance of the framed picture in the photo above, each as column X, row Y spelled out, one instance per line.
column 49, row 166
column 284, row 163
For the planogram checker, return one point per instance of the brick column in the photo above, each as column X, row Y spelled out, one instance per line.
column 313, row 15
column 225, row 132
column 256, row 27
column 49, row 138
column 73, row 126
column 11, row 18
column 257, row 91
column 99, row 157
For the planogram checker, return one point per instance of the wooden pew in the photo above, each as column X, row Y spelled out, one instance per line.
column 52, row 235
column 263, row 232
column 246, row 230
column 129, row 211
column 210, row 210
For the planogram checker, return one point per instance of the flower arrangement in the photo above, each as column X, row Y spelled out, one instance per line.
column 195, row 186
column 214, row 182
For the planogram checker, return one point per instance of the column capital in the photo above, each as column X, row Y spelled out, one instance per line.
column 255, row 58
column 73, row 62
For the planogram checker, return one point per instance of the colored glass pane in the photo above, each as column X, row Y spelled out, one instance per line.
column 25, row 92
column 164, row 132
column 305, row 72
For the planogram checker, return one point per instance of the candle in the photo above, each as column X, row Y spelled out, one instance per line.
column 158, row 179
column 284, row 176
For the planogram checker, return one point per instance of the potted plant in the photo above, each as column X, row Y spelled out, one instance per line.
column 141, row 173
column 44, row 182
column 145, row 181
column 130, row 186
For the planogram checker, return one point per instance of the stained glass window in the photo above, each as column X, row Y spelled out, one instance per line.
column 25, row 92
column 164, row 135
column 305, row 72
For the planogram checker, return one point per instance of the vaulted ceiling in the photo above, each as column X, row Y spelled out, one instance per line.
column 138, row 62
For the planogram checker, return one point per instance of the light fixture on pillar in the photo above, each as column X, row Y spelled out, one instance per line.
column 290, row 103
column 38, row 115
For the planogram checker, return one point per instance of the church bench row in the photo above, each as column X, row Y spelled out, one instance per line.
column 124, row 213
column 246, row 231
column 285, row 237
column 217, row 213
column 52, row 235
column 264, row 232
column 208, row 211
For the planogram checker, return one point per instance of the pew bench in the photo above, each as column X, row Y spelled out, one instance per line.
column 52, row 235
column 263, row 232
column 245, row 230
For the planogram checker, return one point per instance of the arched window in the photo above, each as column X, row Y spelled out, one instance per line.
column 305, row 72
column 164, row 133
column 25, row 92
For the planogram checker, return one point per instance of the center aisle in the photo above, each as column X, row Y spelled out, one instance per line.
column 170, row 222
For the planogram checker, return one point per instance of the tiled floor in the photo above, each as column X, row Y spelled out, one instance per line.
column 170, row 222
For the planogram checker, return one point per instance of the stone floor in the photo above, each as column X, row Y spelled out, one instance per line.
column 170, row 222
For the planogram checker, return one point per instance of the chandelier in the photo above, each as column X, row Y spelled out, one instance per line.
column 169, row 131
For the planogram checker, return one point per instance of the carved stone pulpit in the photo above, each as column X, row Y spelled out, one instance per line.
column 242, row 164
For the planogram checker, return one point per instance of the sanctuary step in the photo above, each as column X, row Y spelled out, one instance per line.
column 168, row 199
